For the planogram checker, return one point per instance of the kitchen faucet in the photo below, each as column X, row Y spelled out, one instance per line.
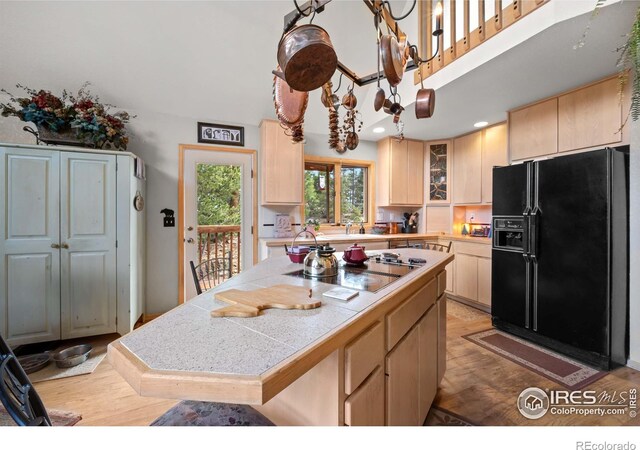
column 348, row 227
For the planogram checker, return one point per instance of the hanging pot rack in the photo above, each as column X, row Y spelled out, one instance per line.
column 381, row 11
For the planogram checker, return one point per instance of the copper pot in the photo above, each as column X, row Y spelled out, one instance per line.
column 393, row 60
column 307, row 57
column 425, row 103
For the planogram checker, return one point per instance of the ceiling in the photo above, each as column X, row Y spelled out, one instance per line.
column 212, row 60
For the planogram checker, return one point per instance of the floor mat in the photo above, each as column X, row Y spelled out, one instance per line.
column 554, row 366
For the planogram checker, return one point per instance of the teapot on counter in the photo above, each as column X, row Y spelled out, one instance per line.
column 355, row 255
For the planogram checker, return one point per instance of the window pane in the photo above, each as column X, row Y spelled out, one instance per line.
column 319, row 192
column 353, row 194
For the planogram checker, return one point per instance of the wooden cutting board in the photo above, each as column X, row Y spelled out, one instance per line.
column 250, row 303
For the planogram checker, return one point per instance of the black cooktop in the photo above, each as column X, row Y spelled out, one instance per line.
column 372, row 276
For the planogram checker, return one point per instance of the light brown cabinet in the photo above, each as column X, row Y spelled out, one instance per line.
column 533, row 130
column 403, row 381
column 473, row 272
column 400, row 172
column 366, row 405
column 467, row 163
column 282, row 164
column 484, row 281
column 590, row 117
column 494, row 153
column 428, row 362
column 467, row 276
column 474, row 156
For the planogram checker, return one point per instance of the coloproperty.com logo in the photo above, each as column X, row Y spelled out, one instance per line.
column 534, row 403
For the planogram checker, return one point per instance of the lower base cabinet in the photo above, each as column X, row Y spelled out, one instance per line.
column 403, row 381
column 388, row 374
column 412, row 372
column 366, row 405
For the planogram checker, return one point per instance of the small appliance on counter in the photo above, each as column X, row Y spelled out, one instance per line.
column 410, row 223
column 478, row 229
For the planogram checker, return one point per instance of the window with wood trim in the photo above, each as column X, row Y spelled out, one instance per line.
column 338, row 191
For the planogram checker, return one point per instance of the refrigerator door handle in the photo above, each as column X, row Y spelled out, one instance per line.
column 533, row 233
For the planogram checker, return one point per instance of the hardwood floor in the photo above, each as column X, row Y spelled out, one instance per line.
column 483, row 387
column 103, row 397
column 478, row 385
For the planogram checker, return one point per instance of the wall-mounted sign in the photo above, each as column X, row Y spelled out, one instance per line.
column 213, row 133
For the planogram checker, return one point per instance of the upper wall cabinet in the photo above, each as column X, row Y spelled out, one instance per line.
column 533, row 130
column 494, row 153
column 282, row 164
column 400, row 172
column 475, row 155
column 590, row 117
column 467, row 163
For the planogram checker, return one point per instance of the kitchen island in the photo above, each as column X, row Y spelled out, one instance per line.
column 373, row 360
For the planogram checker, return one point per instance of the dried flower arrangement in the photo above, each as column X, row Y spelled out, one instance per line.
column 81, row 114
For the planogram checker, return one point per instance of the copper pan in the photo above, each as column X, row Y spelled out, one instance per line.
column 425, row 100
column 393, row 60
column 307, row 57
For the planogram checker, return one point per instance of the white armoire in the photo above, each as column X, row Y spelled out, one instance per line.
column 72, row 244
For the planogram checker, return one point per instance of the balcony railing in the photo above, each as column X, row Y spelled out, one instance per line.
column 220, row 241
column 466, row 24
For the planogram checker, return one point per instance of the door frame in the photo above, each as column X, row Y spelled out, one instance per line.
column 182, row 148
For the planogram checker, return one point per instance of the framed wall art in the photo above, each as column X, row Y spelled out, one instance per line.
column 214, row 133
column 439, row 173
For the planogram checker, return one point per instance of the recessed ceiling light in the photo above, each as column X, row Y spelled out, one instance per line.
column 480, row 124
column 378, row 130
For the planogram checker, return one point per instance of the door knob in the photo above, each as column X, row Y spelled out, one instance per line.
column 189, row 228
column 190, row 241
column 55, row 246
column 64, row 246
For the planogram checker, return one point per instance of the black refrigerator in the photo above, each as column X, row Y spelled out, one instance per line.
column 560, row 254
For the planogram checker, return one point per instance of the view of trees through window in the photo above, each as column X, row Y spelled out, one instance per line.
column 353, row 190
column 219, row 191
column 320, row 192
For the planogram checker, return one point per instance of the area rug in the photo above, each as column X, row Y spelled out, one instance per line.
column 210, row 414
column 58, row 418
column 440, row 417
column 53, row 372
column 564, row 371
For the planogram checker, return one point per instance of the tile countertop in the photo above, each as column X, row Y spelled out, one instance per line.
column 185, row 349
column 355, row 237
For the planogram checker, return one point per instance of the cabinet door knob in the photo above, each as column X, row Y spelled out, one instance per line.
column 64, row 246
column 55, row 246
column 190, row 241
column 189, row 228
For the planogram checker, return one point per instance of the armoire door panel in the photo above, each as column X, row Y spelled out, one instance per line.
column 89, row 291
column 33, row 305
column 27, row 196
column 29, row 263
column 88, row 187
column 88, row 235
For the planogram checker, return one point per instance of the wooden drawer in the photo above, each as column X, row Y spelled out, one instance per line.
column 442, row 282
column 362, row 356
column 401, row 319
column 470, row 248
column 366, row 405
